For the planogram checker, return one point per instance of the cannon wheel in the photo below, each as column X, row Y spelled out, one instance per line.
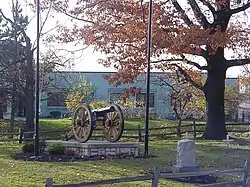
column 114, row 125
column 82, row 123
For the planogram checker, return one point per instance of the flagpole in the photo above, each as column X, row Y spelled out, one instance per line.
column 146, row 139
column 37, row 81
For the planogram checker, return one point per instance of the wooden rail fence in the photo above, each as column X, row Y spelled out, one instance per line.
column 135, row 133
column 157, row 175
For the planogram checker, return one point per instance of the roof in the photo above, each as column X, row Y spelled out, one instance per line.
column 153, row 72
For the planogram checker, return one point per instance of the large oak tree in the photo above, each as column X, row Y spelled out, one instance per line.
column 182, row 29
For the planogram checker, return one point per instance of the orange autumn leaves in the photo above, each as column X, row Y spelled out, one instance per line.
column 118, row 29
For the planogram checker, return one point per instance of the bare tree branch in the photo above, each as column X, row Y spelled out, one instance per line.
column 237, row 62
column 182, row 12
column 195, row 64
column 183, row 60
column 162, row 81
column 46, row 17
column 75, row 50
column 89, row 5
column 43, row 24
column 188, row 78
column 31, row 19
column 209, row 5
column 46, row 32
column 76, row 18
column 198, row 14
column 240, row 9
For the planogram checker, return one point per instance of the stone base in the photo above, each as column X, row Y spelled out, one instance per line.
column 99, row 148
column 181, row 169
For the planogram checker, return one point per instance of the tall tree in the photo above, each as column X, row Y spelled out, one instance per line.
column 181, row 31
column 12, row 59
column 19, row 24
column 17, row 60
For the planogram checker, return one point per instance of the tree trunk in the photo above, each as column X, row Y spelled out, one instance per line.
column 29, row 126
column 13, row 110
column 29, row 97
column 1, row 111
column 179, row 128
column 214, row 92
column 20, row 106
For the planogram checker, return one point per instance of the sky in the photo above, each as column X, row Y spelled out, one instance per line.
column 88, row 60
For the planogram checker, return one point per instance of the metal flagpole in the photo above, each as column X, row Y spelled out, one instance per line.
column 148, row 76
column 37, row 80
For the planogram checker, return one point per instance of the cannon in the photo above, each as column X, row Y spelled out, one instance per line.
column 85, row 120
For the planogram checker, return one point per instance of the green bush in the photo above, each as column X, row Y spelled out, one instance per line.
column 56, row 149
column 28, row 147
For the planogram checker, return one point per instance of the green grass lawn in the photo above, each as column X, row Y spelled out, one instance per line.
column 64, row 124
column 50, row 124
column 210, row 155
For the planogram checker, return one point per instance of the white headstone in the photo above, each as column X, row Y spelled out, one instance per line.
column 186, row 158
column 227, row 141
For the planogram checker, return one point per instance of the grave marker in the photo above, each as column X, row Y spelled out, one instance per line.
column 186, row 159
column 227, row 141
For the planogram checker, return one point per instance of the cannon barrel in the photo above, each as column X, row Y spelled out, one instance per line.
column 104, row 111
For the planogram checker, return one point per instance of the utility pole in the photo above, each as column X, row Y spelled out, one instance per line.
column 37, row 80
column 148, row 76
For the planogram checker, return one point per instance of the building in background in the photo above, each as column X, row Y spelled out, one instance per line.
column 55, row 87
column 244, row 107
column 53, row 99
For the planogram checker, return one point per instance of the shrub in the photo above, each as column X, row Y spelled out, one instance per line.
column 56, row 149
column 130, row 109
column 55, row 114
column 28, row 147
column 98, row 104
column 135, row 109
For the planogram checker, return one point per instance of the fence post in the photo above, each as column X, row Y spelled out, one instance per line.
column 20, row 135
column 245, row 174
column 139, row 133
column 194, row 129
column 49, row 182
column 155, row 179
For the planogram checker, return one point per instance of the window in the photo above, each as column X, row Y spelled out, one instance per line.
column 141, row 99
column 56, row 99
column 114, row 97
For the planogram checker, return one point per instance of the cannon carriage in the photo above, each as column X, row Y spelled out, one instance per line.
column 85, row 120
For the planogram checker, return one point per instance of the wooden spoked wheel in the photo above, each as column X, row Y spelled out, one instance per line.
column 82, row 123
column 114, row 124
